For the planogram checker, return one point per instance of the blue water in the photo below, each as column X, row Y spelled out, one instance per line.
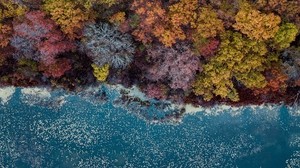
column 85, row 134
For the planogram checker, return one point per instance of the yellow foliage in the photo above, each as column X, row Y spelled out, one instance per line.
column 10, row 9
column 183, row 12
column 207, row 24
column 68, row 15
column 5, row 32
column 117, row 18
column 168, row 34
column 257, row 25
column 88, row 4
column 238, row 57
column 101, row 73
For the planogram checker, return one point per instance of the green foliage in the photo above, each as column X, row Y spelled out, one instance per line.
column 239, row 58
column 286, row 34
column 33, row 65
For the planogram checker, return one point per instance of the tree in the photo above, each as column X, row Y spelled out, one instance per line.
column 208, row 48
column 157, row 91
column 104, row 44
column 150, row 15
column 118, row 18
column 207, row 24
column 176, row 66
column 276, row 82
column 56, row 69
column 10, row 9
column 39, row 38
column 291, row 63
column 101, row 73
column 257, row 25
column 285, row 35
column 68, row 15
column 239, row 58
column 5, row 33
column 88, row 4
column 182, row 13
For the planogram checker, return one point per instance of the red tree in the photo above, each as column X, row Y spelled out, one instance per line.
column 39, row 38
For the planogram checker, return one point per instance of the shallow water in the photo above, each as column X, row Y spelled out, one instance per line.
column 61, row 130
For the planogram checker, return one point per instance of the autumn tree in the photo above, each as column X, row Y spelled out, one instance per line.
column 68, row 15
column 101, row 73
column 177, row 66
column 207, row 24
column 208, row 48
column 38, row 38
column 182, row 13
column 150, row 15
column 239, row 58
column 5, row 33
column 257, row 25
column 291, row 63
column 276, row 82
column 10, row 9
column 284, row 36
column 88, row 4
column 104, row 44
column 56, row 69
column 157, row 91
column 117, row 18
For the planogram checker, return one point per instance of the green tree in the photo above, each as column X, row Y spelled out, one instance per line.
column 286, row 34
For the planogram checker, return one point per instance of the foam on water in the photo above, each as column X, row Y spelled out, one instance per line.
column 6, row 94
column 97, row 128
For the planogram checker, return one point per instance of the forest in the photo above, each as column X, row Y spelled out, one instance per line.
column 202, row 52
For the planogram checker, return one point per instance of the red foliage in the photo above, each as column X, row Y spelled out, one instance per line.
column 157, row 91
column 43, row 35
column 176, row 66
column 276, row 83
column 56, row 69
column 209, row 49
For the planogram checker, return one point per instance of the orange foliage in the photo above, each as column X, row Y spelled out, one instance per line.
column 183, row 12
column 5, row 32
column 150, row 15
column 117, row 18
column 276, row 82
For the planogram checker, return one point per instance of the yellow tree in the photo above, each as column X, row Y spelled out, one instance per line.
column 257, row 25
column 68, row 15
column 101, row 73
column 207, row 24
column 239, row 58
column 10, row 9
